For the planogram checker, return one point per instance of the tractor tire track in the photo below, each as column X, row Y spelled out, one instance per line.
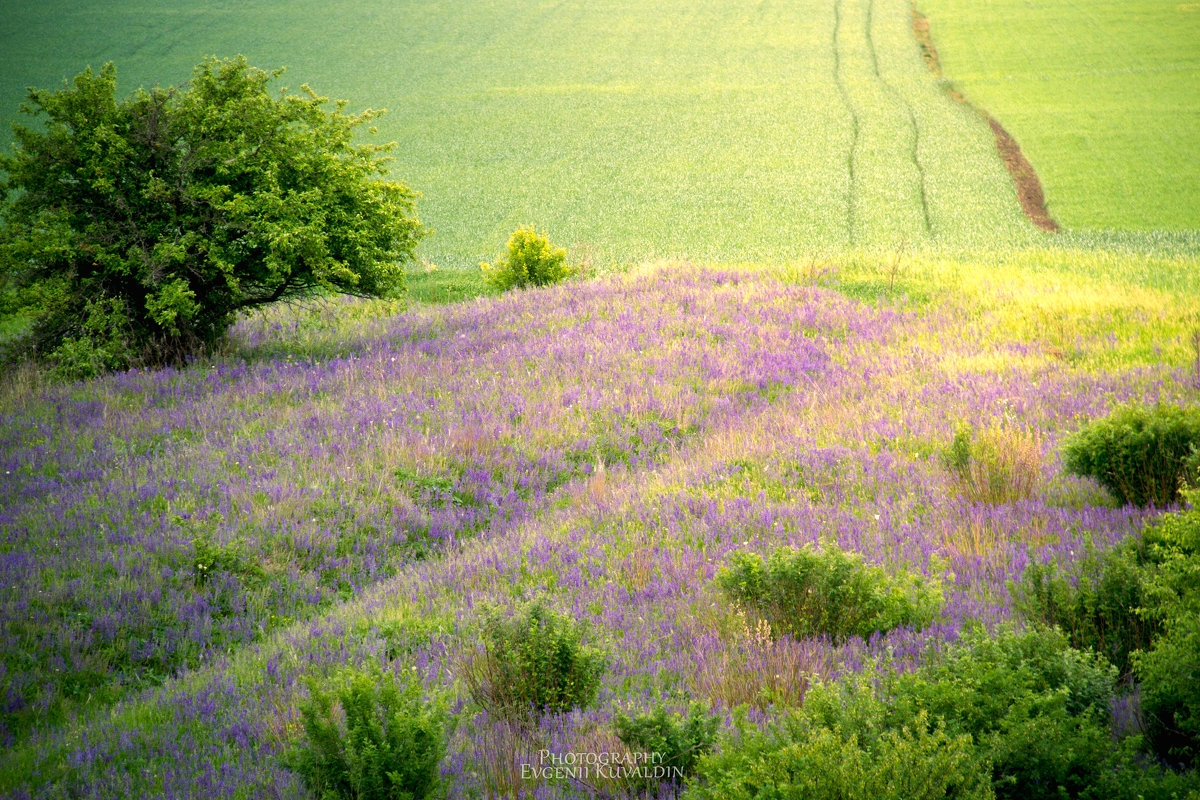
column 844, row 91
column 901, row 102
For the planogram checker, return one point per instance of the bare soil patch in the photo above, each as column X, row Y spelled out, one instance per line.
column 1025, row 179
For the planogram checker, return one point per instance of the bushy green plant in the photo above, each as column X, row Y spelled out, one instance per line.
column 995, row 465
column 532, row 663
column 843, row 744
column 1170, row 679
column 1035, row 707
column 1139, row 455
column 369, row 738
column 1170, row 671
column 1172, row 543
column 810, row 592
column 529, row 261
column 1015, row 714
column 134, row 230
column 1098, row 602
column 678, row 741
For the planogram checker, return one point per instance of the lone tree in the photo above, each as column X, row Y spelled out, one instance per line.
column 135, row 230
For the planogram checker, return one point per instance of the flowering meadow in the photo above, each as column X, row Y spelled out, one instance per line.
column 357, row 484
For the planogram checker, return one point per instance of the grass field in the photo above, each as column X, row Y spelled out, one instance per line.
column 1104, row 98
column 722, row 132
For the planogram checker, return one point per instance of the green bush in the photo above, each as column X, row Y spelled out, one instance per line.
column 810, row 591
column 1011, row 715
column 1140, row 455
column 678, row 741
column 530, row 261
column 533, row 663
column 1036, row 708
column 1170, row 679
column 1172, row 543
column 1170, row 671
column 134, row 230
column 1097, row 602
column 843, row 744
column 370, row 738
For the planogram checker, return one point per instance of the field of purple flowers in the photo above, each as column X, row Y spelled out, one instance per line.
column 353, row 485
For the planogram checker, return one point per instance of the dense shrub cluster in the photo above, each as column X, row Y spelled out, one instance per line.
column 529, row 261
column 1011, row 715
column 532, row 663
column 1138, row 606
column 813, row 592
column 1142, row 456
column 1097, row 602
column 1170, row 671
column 843, row 744
column 679, row 741
column 369, row 738
column 1036, row 709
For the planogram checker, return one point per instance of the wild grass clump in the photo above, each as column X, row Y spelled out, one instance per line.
column 994, row 465
column 758, row 669
column 532, row 663
column 369, row 737
column 530, row 261
column 1142, row 456
column 827, row 592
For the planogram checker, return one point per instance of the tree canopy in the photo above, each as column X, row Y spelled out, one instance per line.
column 135, row 230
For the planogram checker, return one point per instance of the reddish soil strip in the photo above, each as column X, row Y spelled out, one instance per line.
column 1029, row 188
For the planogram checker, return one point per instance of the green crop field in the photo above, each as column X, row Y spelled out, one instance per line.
column 724, row 131
column 1104, row 98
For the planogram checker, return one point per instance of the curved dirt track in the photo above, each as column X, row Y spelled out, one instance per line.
column 1025, row 179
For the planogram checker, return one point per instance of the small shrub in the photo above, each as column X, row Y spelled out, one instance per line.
column 1097, row 602
column 532, row 663
column 530, row 261
column 843, row 744
column 996, row 465
column 807, row 592
column 1139, row 455
column 369, row 739
column 677, row 741
column 209, row 558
